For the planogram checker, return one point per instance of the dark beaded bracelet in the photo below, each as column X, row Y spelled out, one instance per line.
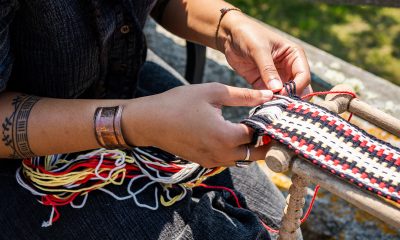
column 223, row 11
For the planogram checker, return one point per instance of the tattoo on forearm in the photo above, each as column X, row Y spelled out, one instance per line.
column 15, row 127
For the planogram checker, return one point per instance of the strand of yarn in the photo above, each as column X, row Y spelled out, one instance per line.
column 59, row 180
column 268, row 228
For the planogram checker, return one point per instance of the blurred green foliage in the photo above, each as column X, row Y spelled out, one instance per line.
column 366, row 36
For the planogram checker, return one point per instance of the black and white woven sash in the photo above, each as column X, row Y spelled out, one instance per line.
column 330, row 142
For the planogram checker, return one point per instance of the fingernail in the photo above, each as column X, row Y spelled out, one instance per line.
column 267, row 94
column 274, row 84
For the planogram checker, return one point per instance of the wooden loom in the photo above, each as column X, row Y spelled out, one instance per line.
column 280, row 159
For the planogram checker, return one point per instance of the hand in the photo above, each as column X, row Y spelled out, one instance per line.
column 265, row 59
column 187, row 121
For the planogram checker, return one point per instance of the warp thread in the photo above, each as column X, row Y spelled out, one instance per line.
column 330, row 142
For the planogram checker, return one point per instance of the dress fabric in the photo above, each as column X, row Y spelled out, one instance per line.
column 96, row 49
column 72, row 48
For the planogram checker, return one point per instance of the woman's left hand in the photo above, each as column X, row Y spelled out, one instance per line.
column 265, row 59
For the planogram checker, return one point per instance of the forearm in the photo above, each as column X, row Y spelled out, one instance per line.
column 185, row 121
column 198, row 20
column 42, row 126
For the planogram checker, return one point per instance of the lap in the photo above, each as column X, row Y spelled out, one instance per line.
column 202, row 214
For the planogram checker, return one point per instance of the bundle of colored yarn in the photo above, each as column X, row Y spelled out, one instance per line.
column 60, row 180
column 327, row 140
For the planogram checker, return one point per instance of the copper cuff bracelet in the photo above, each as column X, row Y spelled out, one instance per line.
column 107, row 123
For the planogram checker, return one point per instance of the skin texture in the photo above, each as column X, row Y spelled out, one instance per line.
column 198, row 132
column 265, row 65
column 185, row 121
column 265, row 59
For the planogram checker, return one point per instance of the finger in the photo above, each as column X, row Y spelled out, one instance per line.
column 302, row 81
column 306, row 91
column 233, row 96
column 301, row 72
column 255, row 153
column 259, row 153
column 240, row 134
column 268, row 71
column 240, row 154
column 259, row 84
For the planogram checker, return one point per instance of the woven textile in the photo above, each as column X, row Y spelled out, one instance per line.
column 330, row 142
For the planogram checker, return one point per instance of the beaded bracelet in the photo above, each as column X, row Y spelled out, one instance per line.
column 223, row 11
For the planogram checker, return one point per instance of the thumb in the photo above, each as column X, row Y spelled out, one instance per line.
column 234, row 96
column 268, row 72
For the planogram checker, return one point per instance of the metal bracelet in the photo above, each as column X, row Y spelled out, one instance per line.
column 107, row 123
column 118, row 128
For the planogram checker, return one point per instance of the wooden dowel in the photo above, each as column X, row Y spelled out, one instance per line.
column 340, row 103
column 361, row 199
column 375, row 116
column 278, row 157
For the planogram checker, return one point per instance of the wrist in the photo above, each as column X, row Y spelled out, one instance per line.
column 226, row 25
column 131, row 123
column 108, row 127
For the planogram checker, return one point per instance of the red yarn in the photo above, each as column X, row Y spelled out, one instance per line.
column 268, row 228
column 311, row 204
column 331, row 92
column 223, row 188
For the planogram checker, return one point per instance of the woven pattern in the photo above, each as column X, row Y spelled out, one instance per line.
column 327, row 140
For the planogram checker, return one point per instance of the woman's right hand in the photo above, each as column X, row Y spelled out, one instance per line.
column 187, row 121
